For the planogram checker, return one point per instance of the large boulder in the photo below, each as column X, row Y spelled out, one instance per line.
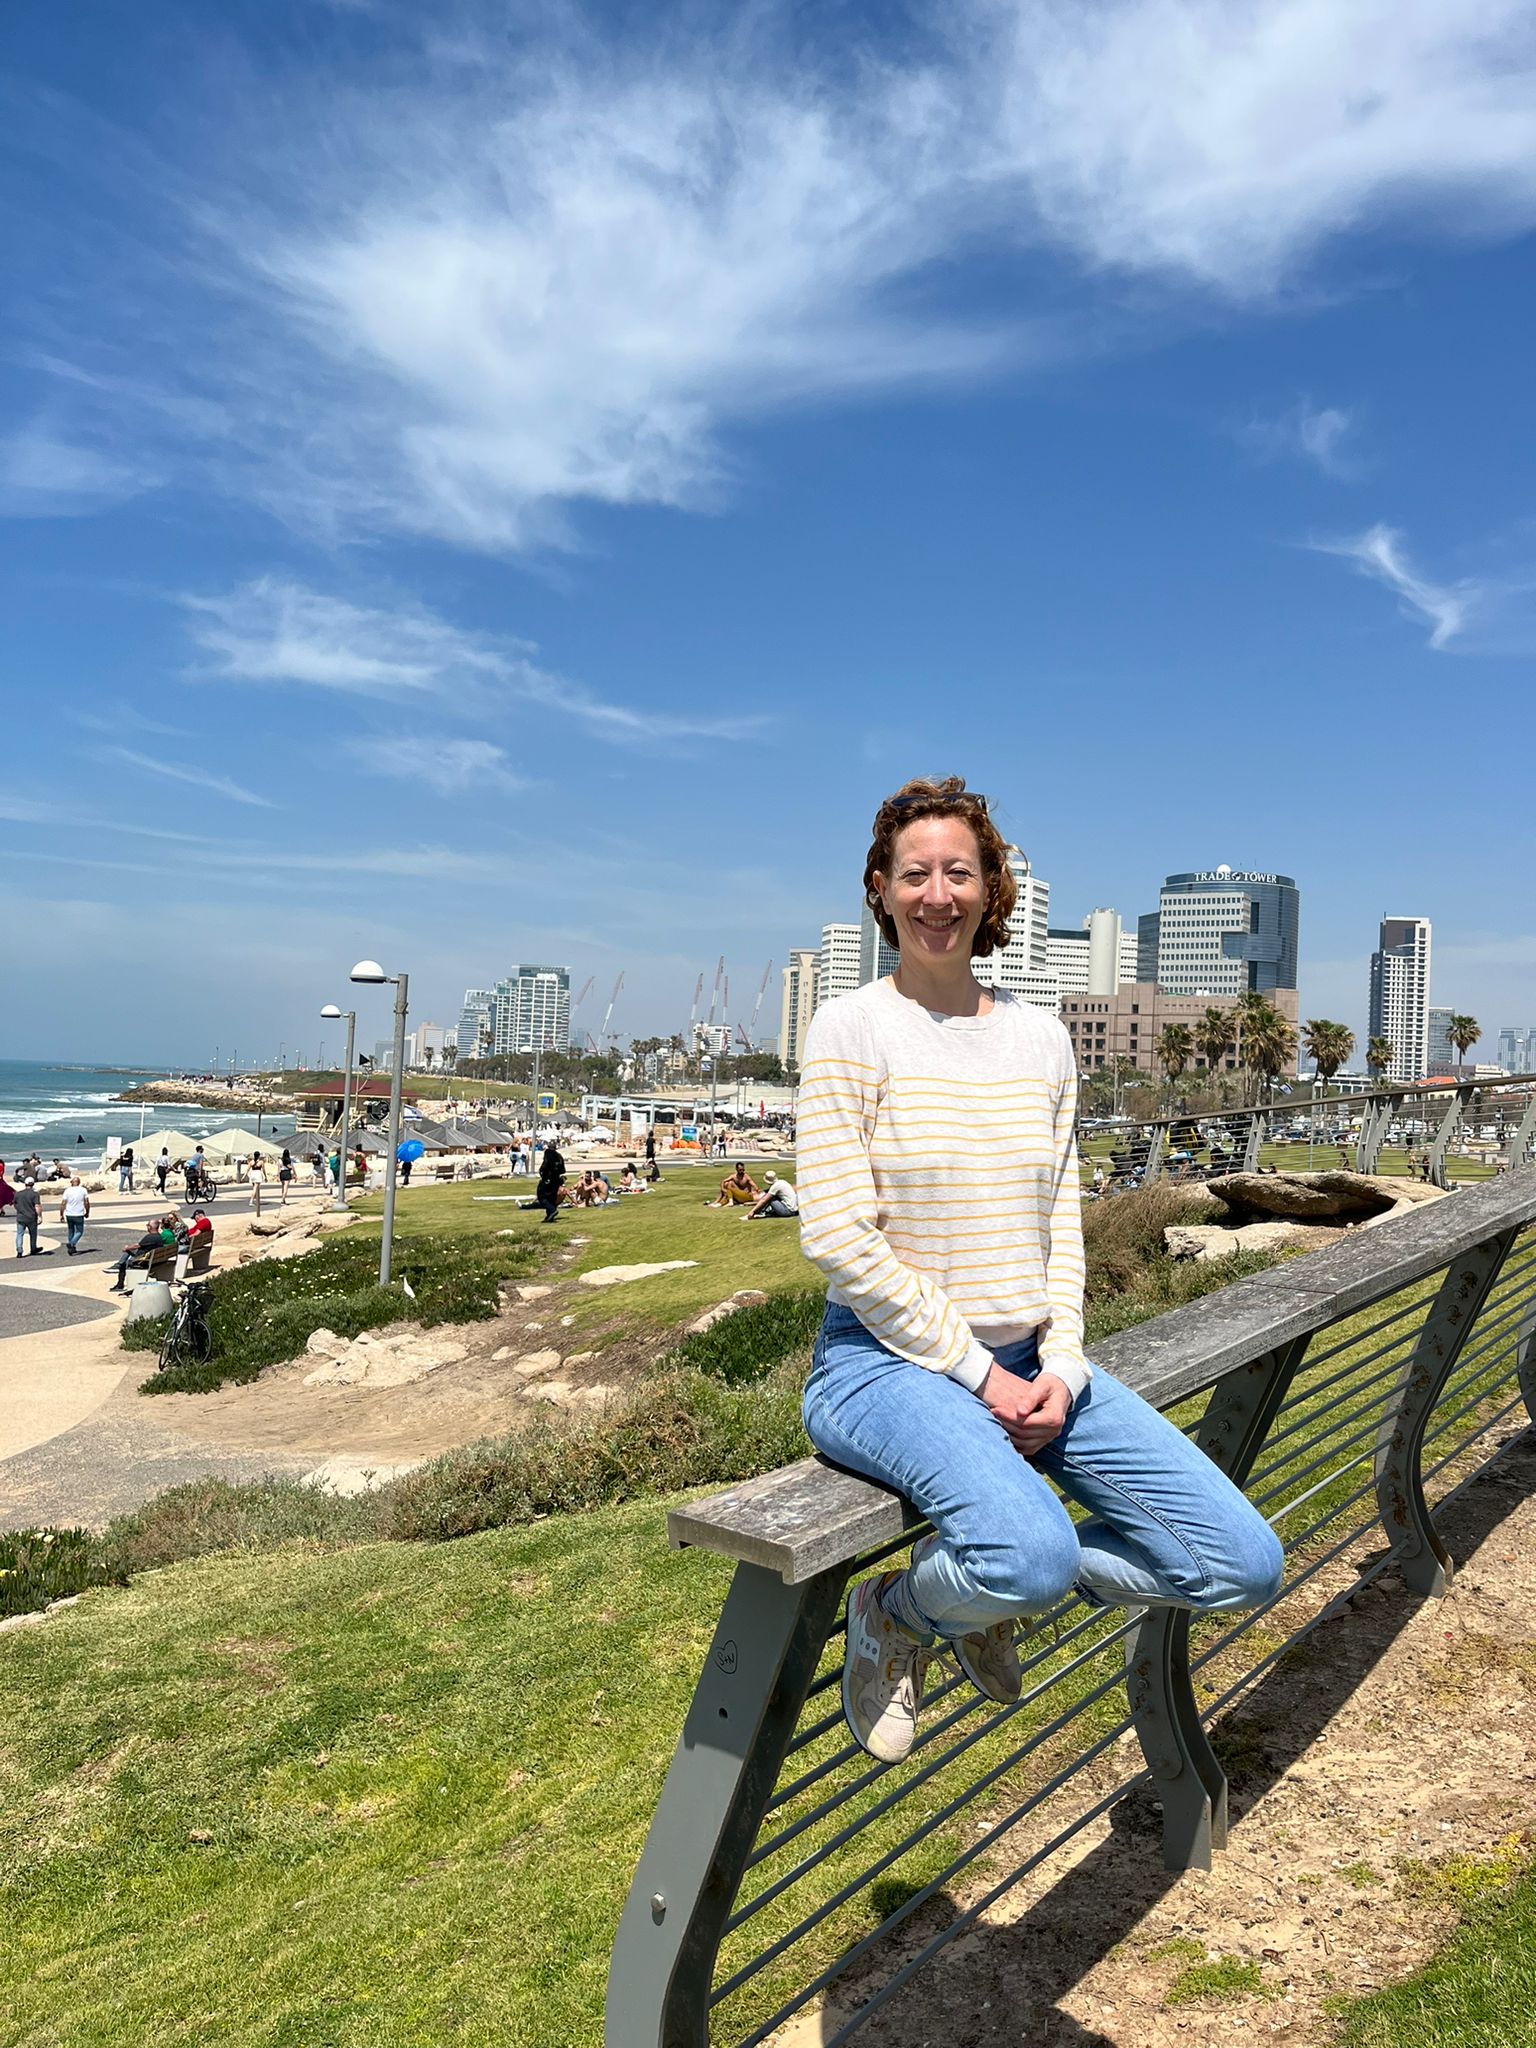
column 1215, row 1241
column 1333, row 1195
column 615, row 1276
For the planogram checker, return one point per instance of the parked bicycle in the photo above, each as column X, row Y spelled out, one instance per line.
column 189, row 1340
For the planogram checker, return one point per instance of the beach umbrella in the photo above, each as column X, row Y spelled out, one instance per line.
column 410, row 1151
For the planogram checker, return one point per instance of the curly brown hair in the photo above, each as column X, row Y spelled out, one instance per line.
column 949, row 798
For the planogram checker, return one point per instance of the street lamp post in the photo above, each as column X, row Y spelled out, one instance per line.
column 371, row 972
column 331, row 1010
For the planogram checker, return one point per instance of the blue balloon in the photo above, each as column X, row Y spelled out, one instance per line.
column 410, row 1150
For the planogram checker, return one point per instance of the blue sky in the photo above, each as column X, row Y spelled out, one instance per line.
column 492, row 484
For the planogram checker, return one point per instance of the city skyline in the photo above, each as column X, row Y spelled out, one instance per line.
column 471, row 500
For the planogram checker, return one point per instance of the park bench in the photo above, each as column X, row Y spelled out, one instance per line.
column 167, row 1264
column 1410, row 1340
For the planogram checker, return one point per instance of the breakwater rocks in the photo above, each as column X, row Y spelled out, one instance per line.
column 210, row 1095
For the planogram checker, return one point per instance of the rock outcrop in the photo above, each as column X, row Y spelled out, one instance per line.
column 1336, row 1195
column 380, row 1358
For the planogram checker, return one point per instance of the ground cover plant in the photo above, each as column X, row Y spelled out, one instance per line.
column 266, row 1312
column 41, row 1565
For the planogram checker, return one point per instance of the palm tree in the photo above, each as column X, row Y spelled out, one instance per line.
column 1328, row 1046
column 1213, row 1035
column 450, row 1056
column 1175, row 1047
column 1379, row 1055
column 1463, row 1032
column 1269, row 1042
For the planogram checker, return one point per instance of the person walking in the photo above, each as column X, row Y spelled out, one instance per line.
column 74, row 1207
column 551, row 1182
column 27, row 1215
column 650, row 1144
column 125, row 1171
column 256, row 1179
column 162, row 1168
column 939, row 1193
column 284, row 1176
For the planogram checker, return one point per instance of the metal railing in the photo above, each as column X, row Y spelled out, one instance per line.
column 1469, row 1130
column 784, row 1865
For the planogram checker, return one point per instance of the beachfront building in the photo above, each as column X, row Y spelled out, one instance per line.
column 837, row 964
column 1092, row 961
column 1221, row 932
column 1127, row 1024
column 877, row 956
column 1399, row 1007
column 1517, row 1048
column 798, row 1005
column 1023, row 964
column 531, row 1010
column 476, row 1028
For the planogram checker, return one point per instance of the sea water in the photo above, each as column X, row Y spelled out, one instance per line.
column 69, row 1111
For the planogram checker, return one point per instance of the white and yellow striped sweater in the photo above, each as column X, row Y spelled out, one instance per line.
column 938, row 1179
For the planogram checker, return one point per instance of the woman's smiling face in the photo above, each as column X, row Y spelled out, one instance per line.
column 935, row 893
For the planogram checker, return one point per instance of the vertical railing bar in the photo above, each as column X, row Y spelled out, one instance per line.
column 1337, row 1421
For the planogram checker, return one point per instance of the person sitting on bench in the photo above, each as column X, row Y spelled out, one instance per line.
column 157, row 1235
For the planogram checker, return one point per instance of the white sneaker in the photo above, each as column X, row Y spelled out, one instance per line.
column 883, row 1674
column 989, row 1657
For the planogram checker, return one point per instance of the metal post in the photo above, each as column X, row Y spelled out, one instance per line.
column 1422, row 1558
column 1189, row 1778
column 1255, row 1143
column 1443, row 1136
column 756, row 1677
column 339, row 1201
column 1525, row 1360
column 1517, row 1146
column 391, row 1163
column 1156, row 1145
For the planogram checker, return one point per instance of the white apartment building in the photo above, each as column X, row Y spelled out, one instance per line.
column 837, row 964
column 1399, row 1010
column 1094, row 961
column 1023, row 965
column 798, row 1005
column 476, row 1022
column 531, row 1010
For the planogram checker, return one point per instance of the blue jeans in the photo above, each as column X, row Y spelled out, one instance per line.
column 74, row 1230
column 1166, row 1529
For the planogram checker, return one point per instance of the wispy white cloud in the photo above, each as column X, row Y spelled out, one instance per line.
column 198, row 778
column 44, row 475
column 1380, row 554
column 463, row 296
column 450, row 766
column 273, row 630
column 1318, row 434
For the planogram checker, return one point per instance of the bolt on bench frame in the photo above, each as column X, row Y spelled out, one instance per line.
column 1459, row 1282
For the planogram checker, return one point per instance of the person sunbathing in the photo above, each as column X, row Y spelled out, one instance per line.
column 738, row 1189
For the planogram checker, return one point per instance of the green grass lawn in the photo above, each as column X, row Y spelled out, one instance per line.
column 389, row 1795
column 671, row 1222
column 1479, row 1992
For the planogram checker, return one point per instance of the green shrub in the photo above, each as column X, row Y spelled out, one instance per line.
column 681, row 1429
column 207, row 1515
column 743, row 1346
column 1166, row 1283
column 1123, row 1234
column 264, row 1313
column 41, row 1565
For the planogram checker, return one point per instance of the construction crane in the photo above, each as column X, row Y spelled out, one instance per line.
column 693, row 1015
column 608, row 1013
column 762, row 990
column 586, row 991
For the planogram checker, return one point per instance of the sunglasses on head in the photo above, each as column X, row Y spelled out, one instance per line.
column 907, row 803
